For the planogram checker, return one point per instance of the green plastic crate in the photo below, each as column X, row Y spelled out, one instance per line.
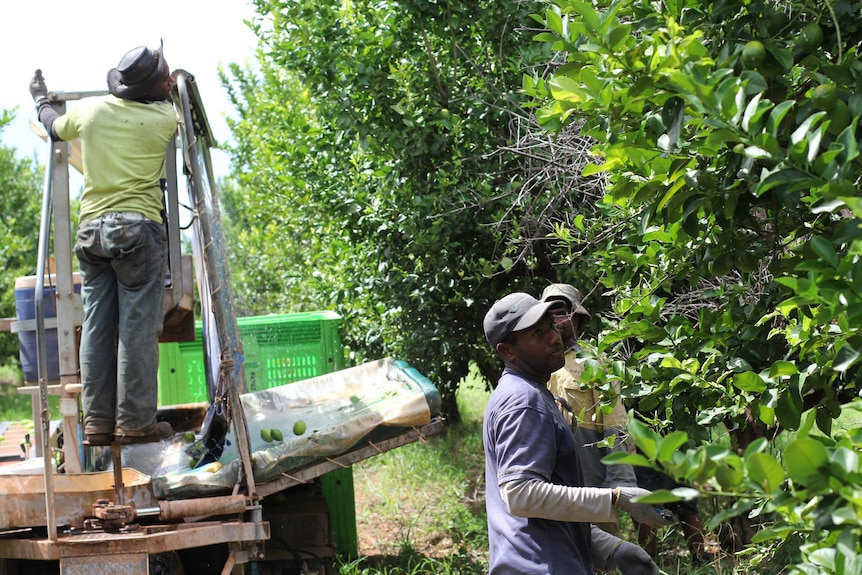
column 278, row 350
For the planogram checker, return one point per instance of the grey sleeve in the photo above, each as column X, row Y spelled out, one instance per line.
column 544, row 500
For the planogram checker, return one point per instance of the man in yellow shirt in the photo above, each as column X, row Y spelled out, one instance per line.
column 592, row 423
column 121, row 241
column 580, row 404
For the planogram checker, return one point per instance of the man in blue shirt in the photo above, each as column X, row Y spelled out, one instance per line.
column 539, row 513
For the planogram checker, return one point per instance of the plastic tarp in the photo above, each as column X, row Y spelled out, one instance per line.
column 339, row 412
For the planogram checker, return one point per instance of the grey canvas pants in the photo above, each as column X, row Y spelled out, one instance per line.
column 122, row 258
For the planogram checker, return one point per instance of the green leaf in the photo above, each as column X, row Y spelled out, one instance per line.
column 670, row 444
column 589, row 14
column 749, row 381
column 659, row 496
column 787, row 411
column 618, row 35
column 845, row 463
column 851, row 146
column 802, row 133
column 782, row 368
column 545, row 37
column 753, row 111
column 777, row 115
column 759, row 445
column 845, row 358
column 780, row 530
column 825, row 250
column 738, row 365
column 685, row 493
column 804, row 457
column 787, row 178
column 765, row 470
column 738, row 508
column 620, row 457
column 728, row 477
column 554, row 22
column 645, row 438
column 809, row 418
column 565, row 89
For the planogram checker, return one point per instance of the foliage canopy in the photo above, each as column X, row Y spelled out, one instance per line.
column 734, row 266
column 20, row 204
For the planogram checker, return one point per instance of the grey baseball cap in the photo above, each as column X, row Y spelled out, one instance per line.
column 512, row 313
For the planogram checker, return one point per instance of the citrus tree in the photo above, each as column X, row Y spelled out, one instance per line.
column 373, row 169
column 20, row 204
column 729, row 246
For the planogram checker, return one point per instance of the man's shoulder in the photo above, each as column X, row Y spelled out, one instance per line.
column 514, row 390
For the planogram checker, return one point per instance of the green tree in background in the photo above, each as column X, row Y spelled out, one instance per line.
column 20, row 205
column 730, row 247
column 375, row 171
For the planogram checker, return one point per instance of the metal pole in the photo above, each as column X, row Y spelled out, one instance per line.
column 41, row 352
column 219, row 277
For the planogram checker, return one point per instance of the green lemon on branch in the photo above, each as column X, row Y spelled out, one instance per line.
column 839, row 117
column 810, row 38
column 824, row 97
column 753, row 54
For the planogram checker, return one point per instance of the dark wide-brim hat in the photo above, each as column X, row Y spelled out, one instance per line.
column 138, row 72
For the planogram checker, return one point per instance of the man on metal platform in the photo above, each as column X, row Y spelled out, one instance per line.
column 121, row 242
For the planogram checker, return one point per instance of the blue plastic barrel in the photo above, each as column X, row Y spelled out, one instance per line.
column 25, row 306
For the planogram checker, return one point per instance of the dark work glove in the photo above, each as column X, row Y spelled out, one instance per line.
column 632, row 560
column 641, row 512
column 38, row 89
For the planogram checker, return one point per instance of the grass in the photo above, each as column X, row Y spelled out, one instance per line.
column 15, row 407
column 421, row 507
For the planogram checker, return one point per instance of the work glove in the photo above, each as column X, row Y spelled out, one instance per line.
column 38, row 89
column 641, row 512
column 630, row 559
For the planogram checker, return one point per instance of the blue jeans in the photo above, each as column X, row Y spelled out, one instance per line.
column 122, row 258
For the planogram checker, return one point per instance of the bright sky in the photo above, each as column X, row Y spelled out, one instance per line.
column 76, row 42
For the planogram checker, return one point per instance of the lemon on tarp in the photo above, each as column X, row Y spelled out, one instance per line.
column 824, row 97
column 189, row 436
column 299, row 427
column 277, row 435
column 266, row 435
column 211, row 467
column 753, row 54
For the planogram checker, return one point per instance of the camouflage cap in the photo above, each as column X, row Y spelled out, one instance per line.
column 567, row 293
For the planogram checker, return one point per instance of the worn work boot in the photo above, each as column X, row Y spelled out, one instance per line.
column 157, row 432
column 97, row 439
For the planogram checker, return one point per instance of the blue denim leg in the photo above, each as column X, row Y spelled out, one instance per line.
column 122, row 264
